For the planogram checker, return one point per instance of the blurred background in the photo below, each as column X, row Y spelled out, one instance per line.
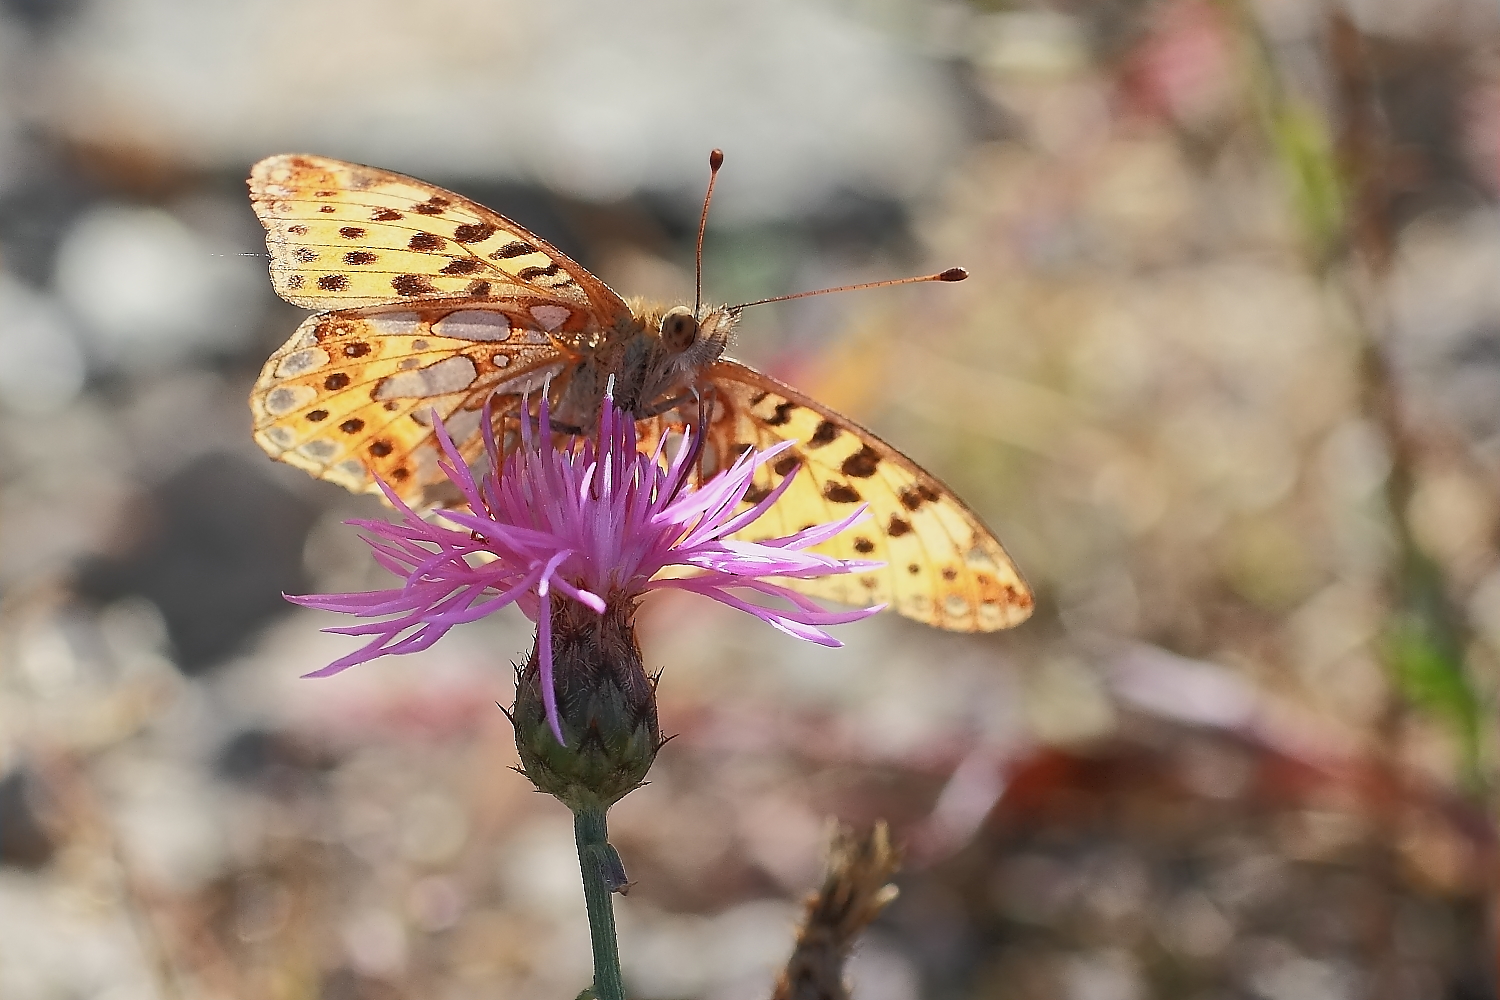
column 1226, row 380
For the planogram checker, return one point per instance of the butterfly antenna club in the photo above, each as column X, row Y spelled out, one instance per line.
column 715, row 161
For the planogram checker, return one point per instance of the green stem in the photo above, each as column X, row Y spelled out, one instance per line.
column 593, row 860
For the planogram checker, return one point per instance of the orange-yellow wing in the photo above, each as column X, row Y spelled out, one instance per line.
column 344, row 236
column 942, row 565
column 350, row 396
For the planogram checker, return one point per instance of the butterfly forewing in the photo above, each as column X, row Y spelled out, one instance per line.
column 942, row 565
column 342, row 236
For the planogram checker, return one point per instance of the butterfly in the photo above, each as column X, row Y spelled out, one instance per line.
column 428, row 303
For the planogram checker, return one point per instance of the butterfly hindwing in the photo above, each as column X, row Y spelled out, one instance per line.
column 350, row 396
column 942, row 565
column 343, row 236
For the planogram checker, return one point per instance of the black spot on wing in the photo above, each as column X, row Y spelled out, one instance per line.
column 476, row 232
column 862, row 464
column 783, row 413
column 915, row 496
column 532, row 273
column 516, row 248
column 412, row 284
column 825, row 434
column 837, row 492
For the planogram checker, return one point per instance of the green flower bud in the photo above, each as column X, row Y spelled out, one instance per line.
column 606, row 705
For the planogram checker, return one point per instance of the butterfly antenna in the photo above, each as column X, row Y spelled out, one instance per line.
column 952, row 274
column 715, row 161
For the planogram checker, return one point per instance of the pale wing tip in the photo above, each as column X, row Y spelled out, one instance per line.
column 270, row 170
column 268, row 165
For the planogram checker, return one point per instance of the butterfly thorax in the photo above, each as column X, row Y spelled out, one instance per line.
column 655, row 354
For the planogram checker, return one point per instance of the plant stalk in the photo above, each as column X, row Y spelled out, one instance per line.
column 592, row 835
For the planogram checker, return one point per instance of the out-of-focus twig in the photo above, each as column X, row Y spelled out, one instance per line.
column 855, row 890
column 1427, row 634
column 1343, row 169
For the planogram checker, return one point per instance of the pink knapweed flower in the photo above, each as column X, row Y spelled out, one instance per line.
column 597, row 523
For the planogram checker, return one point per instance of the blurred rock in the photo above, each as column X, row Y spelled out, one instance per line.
column 58, row 941
column 596, row 99
column 41, row 15
column 12, row 66
column 40, row 196
column 149, row 291
column 41, row 364
column 214, row 547
column 25, row 841
column 168, row 817
column 733, row 955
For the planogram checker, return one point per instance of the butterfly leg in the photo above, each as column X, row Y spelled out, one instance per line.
column 525, row 412
column 661, row 406
column 699, row 438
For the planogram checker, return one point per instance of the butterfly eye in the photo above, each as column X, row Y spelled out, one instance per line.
column 678, row 329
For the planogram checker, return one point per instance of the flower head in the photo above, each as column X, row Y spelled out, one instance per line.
column 594, row 523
